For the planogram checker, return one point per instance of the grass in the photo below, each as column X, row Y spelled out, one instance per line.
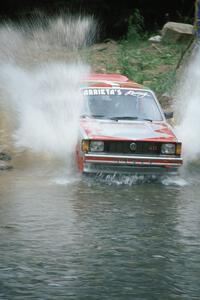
column 151, row 64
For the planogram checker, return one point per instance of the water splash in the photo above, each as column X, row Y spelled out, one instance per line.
column 174, row 181
column 45, row 106
column 131, row 180
column 118, row 179
column 40, row 83
column 46, row 39
column 188, row 109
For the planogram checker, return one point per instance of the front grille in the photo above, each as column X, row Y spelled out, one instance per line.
column 123, row 147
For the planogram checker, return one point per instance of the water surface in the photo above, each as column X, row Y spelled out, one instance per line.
column 71, row 237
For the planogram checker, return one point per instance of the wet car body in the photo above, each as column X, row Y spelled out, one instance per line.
column 123, row 129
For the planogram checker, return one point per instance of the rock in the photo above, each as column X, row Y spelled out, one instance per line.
column 155, row 39
column 4, row 156
column 4, row 166
column 174, row 32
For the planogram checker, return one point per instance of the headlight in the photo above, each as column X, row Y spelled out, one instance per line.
column 96, row 146
column 178, row 148
column 85, row 145
column 168, row 148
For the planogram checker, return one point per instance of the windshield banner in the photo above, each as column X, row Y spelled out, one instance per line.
column 109, row 92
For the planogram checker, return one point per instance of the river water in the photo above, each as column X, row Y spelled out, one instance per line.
column 73, row 237
column 67, row 236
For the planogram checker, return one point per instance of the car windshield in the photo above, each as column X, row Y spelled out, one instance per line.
column 120, row 104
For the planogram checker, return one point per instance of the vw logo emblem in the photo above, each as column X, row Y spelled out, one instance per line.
column 133, row 147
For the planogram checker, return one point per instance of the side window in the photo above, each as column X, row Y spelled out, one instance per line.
column 151, row 110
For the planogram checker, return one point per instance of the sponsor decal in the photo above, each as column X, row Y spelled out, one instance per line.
column 101, row 92
column 113, row 92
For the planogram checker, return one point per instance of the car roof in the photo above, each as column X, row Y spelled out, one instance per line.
column 110, row 80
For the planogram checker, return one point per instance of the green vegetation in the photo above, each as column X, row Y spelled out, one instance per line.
column 135, row 27
column 153, row 65
column 150, row 64
column 147, row 63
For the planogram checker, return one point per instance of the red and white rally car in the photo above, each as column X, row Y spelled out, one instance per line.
column 123, row 129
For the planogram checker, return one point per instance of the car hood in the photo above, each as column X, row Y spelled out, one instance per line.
column 127, row 130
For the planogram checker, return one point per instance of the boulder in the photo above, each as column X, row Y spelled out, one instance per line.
column 4, row 161
column 5, row 166
column 175, row 32
column 4, row 156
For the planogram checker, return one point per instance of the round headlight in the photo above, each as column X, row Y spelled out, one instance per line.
column 96, row 146
column 168, row 149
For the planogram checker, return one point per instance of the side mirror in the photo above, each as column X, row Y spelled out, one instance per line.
column 168, row 114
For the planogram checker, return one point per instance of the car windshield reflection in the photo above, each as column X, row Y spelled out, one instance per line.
column 120, row 104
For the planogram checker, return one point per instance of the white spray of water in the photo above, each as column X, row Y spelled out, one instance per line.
column 188, row 109
column 40, row 83
column 43, row 40
column 45, row 104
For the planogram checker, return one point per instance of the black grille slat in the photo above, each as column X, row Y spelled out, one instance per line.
column 123, row 147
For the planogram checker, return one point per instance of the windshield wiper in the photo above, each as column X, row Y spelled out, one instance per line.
column 124, row 118
column 92, row 116
column 131, row 118
column 146, row 119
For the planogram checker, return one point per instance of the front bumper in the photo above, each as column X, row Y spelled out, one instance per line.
column 135, row 164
